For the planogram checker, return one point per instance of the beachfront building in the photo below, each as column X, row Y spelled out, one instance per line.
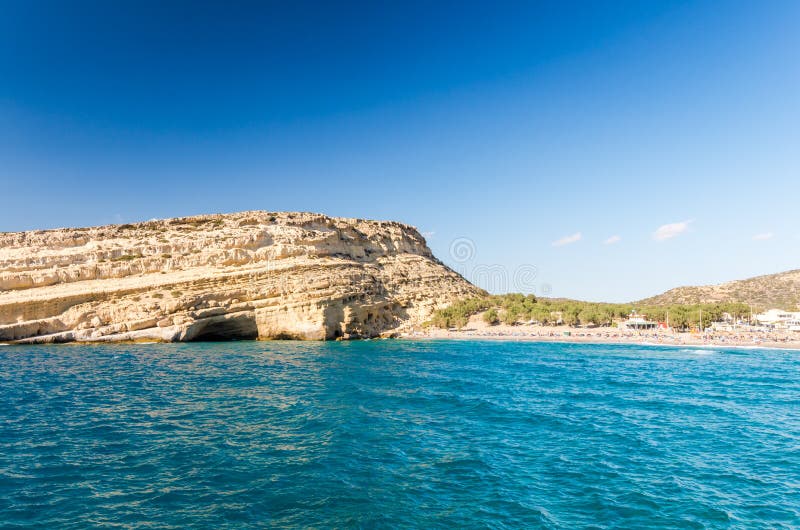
column 722, row 325
column 637, row 322
column 780, row 319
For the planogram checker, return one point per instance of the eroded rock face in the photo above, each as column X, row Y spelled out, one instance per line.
column 219, row 277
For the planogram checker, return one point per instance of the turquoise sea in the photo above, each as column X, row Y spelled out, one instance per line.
column 387, row 434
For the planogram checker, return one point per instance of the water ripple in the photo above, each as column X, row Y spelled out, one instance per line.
column 398, row 434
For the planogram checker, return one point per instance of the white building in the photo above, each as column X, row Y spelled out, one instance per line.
column 638, row 322
column 780, row 319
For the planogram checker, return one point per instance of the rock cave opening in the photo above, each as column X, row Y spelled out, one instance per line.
column 227, row 330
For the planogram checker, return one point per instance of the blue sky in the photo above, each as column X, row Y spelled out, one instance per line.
column 552, row 138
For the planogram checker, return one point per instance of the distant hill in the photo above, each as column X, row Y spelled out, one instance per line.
column 780, row 290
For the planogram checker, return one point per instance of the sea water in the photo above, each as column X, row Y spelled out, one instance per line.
column 447, row 434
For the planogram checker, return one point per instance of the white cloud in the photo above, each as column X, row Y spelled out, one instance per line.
column 611, row 240
column 566, row 240
column 668, row 231
column 763, row 237
column 428, row 235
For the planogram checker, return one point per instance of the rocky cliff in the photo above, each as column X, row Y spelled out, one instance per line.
column 212, row 277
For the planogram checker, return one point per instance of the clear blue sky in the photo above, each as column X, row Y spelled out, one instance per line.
column 514, row 125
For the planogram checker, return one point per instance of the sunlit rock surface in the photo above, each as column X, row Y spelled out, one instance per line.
column 221, row 277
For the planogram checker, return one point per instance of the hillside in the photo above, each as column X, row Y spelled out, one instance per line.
column 780, row 290
column 234, row 276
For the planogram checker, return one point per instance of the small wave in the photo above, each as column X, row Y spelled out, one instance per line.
column 699, row 351
column 774, row 348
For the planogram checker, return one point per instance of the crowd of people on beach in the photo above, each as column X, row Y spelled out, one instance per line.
column 567, row 334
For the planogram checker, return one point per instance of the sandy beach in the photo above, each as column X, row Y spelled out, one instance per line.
column 478, row 329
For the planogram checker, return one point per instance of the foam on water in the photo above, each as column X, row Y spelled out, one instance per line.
column 699, row 351
column 398, row 434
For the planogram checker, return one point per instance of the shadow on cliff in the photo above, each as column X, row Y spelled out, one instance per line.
column 362, row 315
column 239, row 327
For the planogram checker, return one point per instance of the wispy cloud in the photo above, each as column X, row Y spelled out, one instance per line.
column 668, row 231
column 612, row 240
column 429, row 234
column 567, row 240
column 763, row 237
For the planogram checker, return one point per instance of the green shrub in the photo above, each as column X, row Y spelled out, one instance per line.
column 513, row 308
column 127, row 257
column 491, row 317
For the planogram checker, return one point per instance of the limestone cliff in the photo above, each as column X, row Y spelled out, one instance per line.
column 235, row 276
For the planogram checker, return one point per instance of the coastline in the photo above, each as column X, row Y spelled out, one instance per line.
column 552, row 334
column 528, row 333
